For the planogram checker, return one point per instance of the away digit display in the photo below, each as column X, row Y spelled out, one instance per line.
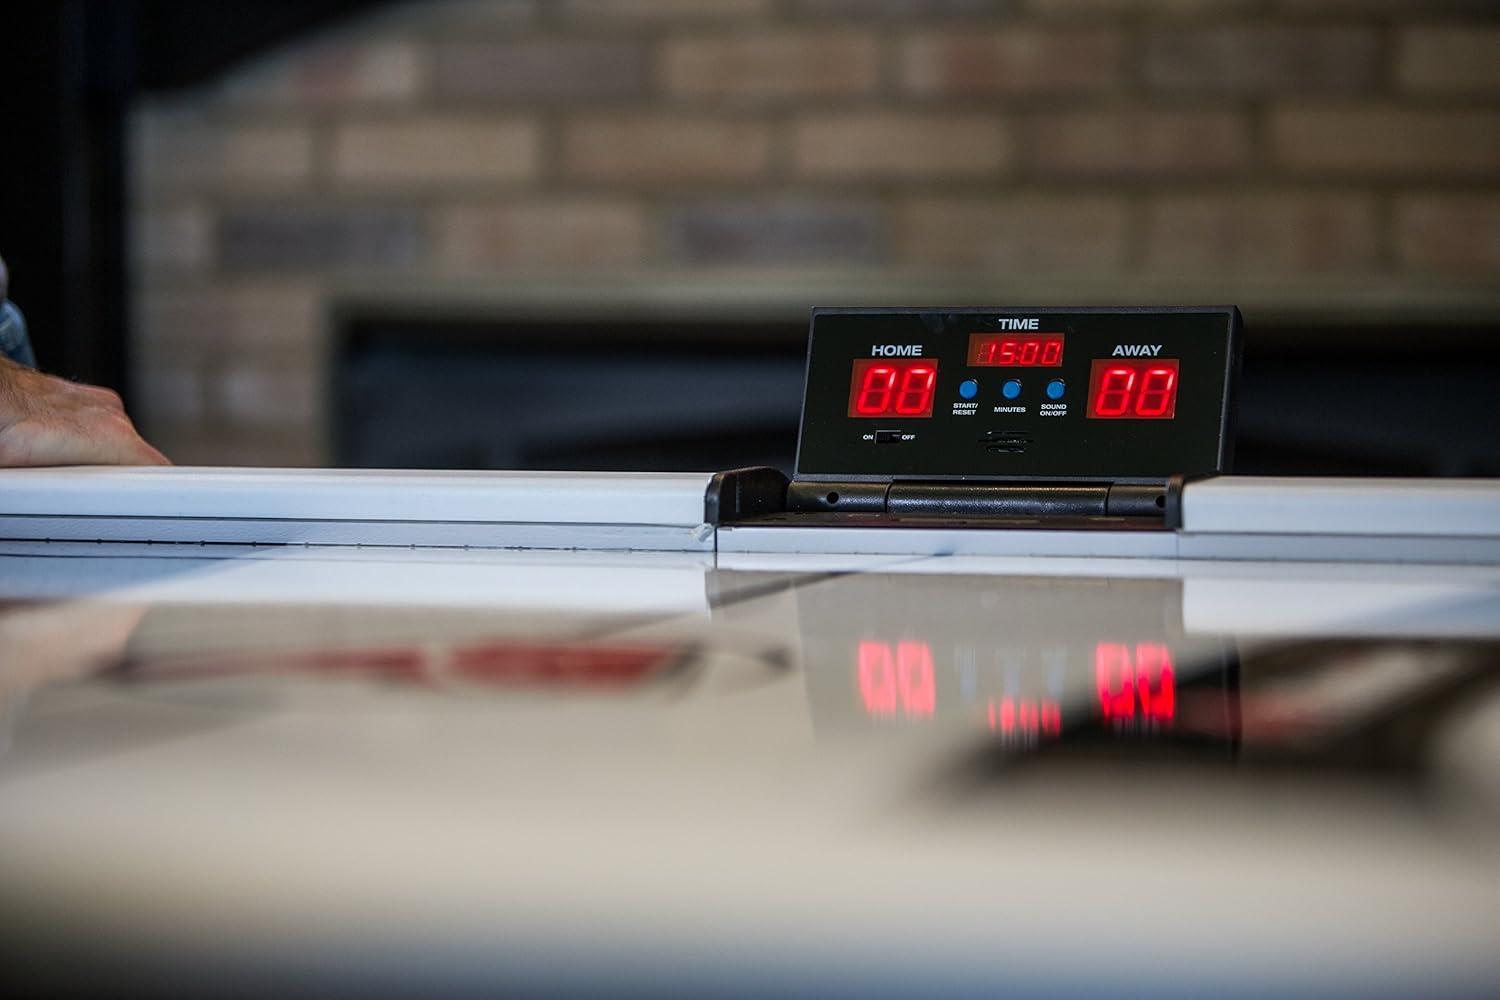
column 1133, row 389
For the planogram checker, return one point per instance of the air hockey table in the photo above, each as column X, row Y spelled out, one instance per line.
column 661, row 734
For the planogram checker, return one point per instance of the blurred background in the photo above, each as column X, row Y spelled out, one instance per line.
column 586, row 233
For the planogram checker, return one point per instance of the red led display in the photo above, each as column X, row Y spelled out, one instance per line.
column 1133, row 389
column 902, row 675
column 1016, row 350
column 1009, row 716
column 883, row 388
column 1145, row 683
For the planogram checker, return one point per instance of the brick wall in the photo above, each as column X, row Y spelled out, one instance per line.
column 1321, row 152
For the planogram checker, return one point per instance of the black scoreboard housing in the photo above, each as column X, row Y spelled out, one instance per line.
column 985, row 445
column 977, row 455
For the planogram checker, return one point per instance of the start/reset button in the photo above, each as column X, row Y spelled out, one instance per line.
column 968, row 388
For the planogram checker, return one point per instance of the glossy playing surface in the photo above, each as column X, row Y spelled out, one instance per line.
column 379, row 768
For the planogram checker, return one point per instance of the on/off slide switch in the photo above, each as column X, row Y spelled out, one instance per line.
column 887, row 437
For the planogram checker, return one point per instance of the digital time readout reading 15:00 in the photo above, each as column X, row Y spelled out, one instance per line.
column 1015, row 350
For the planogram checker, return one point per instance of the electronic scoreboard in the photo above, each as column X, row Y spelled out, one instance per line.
column 1004, row 412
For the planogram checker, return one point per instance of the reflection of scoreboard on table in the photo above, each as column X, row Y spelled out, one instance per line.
column 898, row 678
column 1026, row 657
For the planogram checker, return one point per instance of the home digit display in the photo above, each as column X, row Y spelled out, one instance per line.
column 980, row 396
column 882, row 388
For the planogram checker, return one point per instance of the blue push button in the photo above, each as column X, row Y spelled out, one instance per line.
column 1011, row 389
column 968, row 388
column 1056, row 388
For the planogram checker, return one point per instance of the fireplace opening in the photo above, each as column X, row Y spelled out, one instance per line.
column 584, row 394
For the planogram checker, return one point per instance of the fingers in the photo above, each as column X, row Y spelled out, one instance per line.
column 49, row 421
column 146, row 454
column 111, row 439
column 107, row 398
column 128, row 448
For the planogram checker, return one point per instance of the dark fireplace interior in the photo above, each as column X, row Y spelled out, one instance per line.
column 532, row 393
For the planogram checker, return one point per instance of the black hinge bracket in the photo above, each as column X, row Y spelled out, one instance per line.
column 743, row 494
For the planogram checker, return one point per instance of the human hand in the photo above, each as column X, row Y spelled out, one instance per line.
column 51, row 421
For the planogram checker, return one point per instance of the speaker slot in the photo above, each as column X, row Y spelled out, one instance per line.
column 1005, row 442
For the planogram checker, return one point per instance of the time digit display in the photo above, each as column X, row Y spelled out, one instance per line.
column 1015, row 350
column 881, row 388
column 1133, row 389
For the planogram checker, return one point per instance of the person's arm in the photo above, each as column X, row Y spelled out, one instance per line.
column 14, row 343
column 50, row 421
